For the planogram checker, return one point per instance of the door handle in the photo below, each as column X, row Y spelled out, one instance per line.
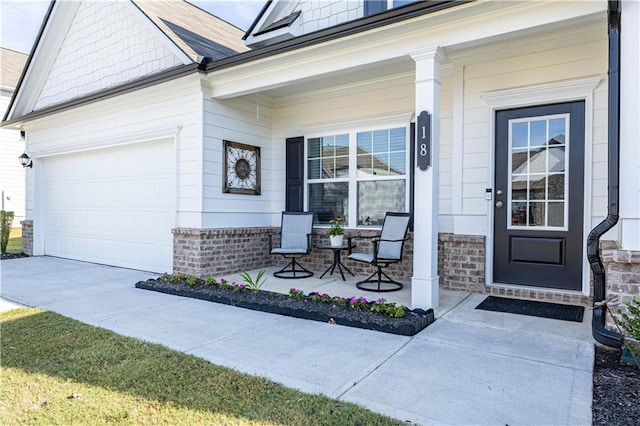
column 499, row 204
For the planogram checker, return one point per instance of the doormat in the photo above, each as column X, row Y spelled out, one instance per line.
column 533, row 308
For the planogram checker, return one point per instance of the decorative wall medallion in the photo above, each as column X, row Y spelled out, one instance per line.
column 241, row 168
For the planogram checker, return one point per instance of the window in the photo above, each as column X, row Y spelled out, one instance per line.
column 371, row 7
column 358, row 175
column 538, row 159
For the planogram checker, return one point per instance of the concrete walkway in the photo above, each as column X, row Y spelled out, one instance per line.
column 469, row 367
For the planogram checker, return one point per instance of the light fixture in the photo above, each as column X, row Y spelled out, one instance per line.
column 25, row 160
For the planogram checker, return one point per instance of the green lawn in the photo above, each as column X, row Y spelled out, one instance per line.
column 55, row 370
column 15, row 241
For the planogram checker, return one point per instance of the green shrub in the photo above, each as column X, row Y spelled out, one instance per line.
column 6, row 218
column 632, row 326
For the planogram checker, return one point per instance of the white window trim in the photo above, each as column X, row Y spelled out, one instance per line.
column 351, row 128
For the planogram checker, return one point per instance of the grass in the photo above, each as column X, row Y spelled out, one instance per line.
column 55, row 370
column 15, row 241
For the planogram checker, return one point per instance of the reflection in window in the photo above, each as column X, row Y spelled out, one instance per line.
column 378, row 181
column 329, row 200
column 538, row 173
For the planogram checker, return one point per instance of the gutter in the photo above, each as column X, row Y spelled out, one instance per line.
column 598, row 329
column 161, row 77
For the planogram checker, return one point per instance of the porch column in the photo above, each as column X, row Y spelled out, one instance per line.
column 425, row 290
column 629, row 130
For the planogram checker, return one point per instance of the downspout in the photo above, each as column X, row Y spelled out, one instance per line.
column 598, row 329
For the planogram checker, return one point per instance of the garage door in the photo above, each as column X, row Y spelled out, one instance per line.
column 112, row 206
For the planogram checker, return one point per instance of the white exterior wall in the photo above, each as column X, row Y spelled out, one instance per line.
column 317, row 15
column 564, row 56
column 11, row 172
column 169, row 110
column 245, row 120
column 466, row 125
column 105, row 46
column 340, row 106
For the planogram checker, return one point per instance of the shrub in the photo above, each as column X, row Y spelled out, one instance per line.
column 631, row 325
column 210, row 281
column 6, row 218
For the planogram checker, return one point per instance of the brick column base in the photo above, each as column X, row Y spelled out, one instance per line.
column 622, row 269
column 27, row 237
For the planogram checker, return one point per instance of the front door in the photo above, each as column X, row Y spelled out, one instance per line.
column 539, row 196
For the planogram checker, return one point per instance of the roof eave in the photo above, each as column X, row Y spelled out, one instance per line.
column 162, row 77
column 338, row 31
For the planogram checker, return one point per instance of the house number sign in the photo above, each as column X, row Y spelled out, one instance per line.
column 423, row 140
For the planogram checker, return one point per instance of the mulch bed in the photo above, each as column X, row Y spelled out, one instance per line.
column 277, row 303
column 7, row 256
column 616, row 389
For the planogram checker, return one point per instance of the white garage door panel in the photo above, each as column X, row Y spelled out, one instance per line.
column 113, row 206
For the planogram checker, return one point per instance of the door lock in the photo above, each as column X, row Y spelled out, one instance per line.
column 499, row 204
column 499, row 192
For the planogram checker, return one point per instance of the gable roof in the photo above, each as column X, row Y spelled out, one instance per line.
column 189, row 31
column 195, row 31
column 12, row 63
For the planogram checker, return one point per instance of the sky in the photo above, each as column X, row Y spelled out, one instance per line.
column 21, row 19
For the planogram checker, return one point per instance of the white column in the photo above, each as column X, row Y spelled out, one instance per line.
column 425, row 290
column 629, row 127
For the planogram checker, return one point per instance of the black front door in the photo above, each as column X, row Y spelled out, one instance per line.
column 539, row 196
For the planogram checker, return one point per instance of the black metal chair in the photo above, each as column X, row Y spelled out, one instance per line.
column 387, row 250
column 295, row 233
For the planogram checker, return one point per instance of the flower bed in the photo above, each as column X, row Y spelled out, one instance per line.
column 376, row 315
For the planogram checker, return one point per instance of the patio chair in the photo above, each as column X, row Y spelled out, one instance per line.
column 387, row 250
column 295, row 233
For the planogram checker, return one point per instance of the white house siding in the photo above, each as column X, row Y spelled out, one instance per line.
column 106, row 45
column 169, row 111
column 317, row 15
column 245, row 120
column 11, row 173
column 565, row 55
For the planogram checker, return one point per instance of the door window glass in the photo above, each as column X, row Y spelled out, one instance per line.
column 538, row 149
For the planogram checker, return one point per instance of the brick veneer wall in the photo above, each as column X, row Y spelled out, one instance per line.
column 461, row 266
column 622, row 269
column 215, row 252
column 461, row 260
column 27, row 237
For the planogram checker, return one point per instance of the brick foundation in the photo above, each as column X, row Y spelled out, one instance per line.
column 216, row 252
column 27, row 237
column 622, row 269
column 461, row 266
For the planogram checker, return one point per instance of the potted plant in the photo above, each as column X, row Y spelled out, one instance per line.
column 336, row 232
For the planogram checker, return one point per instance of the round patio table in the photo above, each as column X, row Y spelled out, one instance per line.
column 337, row 262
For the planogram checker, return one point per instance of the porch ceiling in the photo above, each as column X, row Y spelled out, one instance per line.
column 344, row 78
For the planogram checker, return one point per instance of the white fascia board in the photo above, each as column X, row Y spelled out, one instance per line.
column 462, row 26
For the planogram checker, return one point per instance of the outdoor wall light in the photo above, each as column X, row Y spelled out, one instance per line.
column 25, row 160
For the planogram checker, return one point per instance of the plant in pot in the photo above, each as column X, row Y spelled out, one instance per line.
column 336, row 232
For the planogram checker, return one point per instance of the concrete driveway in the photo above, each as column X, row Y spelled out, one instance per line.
column 469, row 367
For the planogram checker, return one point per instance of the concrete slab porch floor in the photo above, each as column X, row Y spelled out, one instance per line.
column 469, row 367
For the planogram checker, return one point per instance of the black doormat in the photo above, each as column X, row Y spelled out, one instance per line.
column 533, row 308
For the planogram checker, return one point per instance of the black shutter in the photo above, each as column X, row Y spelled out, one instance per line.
column 371, row 7
column 294, row 200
